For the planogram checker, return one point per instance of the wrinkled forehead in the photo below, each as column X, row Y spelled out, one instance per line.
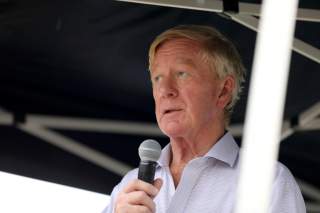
column 181, row 50
column 178, row 44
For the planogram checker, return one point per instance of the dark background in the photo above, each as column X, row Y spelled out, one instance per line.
column 88, row 59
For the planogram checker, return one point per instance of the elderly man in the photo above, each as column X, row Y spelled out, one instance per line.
column 196, row 76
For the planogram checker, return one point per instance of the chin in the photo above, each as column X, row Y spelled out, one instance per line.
column 173, row 131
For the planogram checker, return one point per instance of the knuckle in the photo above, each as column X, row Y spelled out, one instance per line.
column 121, row 197
column 135, row 182
column 144, row 209
column 122, row 200
column 131, row 185
column 141, row 195
column 119, row 208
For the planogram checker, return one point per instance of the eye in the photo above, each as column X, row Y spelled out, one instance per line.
column 182, row 74
column 156, row 78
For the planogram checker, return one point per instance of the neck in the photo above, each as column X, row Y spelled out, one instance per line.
column 184, row 149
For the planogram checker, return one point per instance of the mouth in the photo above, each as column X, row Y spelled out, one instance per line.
column 169, row 111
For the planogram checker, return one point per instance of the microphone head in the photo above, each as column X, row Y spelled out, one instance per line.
column 149, row 150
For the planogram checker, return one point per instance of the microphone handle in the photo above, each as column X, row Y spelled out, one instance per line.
column 147, row 170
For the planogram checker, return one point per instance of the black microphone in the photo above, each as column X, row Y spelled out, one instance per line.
column 149, row 152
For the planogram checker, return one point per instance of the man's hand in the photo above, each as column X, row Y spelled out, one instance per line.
column 137, row 197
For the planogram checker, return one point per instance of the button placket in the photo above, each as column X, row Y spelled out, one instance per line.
column 188, row 181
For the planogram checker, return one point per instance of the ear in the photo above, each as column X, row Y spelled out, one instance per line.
column 225, row 95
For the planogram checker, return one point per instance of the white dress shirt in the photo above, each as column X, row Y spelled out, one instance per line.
column 208, row 184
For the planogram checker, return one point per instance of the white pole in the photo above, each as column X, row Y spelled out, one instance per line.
column 262, row 128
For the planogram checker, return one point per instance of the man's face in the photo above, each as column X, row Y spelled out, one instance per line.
column 185, row 90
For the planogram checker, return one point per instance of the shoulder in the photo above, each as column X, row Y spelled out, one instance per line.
column 284, row 182
column 283, row 176
column 286, row 194
column 282, row 172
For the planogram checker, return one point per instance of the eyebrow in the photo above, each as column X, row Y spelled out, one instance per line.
column 186, row 61
column 183, row 61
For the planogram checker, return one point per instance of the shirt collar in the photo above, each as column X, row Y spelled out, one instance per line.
column 225, row 150
column 165, row 156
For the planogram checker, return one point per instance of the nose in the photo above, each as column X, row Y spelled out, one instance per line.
column 168, row 89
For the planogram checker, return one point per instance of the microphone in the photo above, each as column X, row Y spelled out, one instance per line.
column 149, row 152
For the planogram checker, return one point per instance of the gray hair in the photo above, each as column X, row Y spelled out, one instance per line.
column 219, row 52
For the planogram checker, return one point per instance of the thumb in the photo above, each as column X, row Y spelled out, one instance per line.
column 158, row 183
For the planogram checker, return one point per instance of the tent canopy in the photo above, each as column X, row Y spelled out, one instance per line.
column 76, row 72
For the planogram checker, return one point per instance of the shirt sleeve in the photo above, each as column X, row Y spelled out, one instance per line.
column 286, row 194
column 110, row 207
column 133, row 174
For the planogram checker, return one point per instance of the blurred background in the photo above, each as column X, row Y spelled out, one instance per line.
column 75, row 94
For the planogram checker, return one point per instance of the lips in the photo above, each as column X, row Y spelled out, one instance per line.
column 169, row 111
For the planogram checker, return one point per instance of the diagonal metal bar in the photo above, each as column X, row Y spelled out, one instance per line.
column 302, row 14
column 76, row 148
column 313, row 207
column 306, row 121
column 96, row 125
column 249, row 21
column 312, row 192
column 287, row 131
column 6, row 118
column 298, row 46
column 309, row 190
column 306, row 50
column 236, row 130
column 309, row 114
column 312, row 126
column 308, row 15
column 203, row 5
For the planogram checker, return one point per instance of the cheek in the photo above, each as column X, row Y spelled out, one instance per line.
column 155, row 98
column 202, row 104
column 156, row 105
column 157, row 109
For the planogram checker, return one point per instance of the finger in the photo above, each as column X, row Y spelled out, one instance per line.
column 132, row 209
column 141, row 209
column 139, row 185
column 141, row 198
column 158, row 183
